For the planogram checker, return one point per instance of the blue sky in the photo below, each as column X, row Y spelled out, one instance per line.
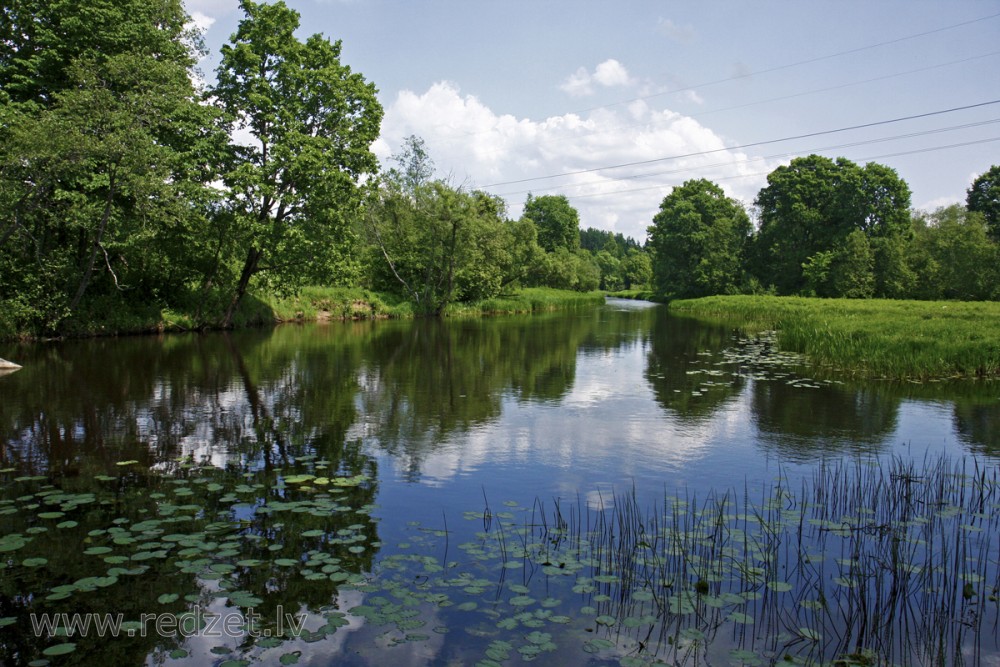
column 551, row 96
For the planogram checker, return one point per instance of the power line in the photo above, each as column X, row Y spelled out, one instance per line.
column 808, row 61
column 464, row 135
column 762, row 158
column 765, row 173
column 744, row 146
column 843, row 85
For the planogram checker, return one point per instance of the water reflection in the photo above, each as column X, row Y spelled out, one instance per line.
column 978, row 426
column 800, row 424
column 550, row 387
column 419, row 418
column 684, row 368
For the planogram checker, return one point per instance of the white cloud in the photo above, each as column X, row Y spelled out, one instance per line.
column 202, row 21
column 478, row 147
column 577, row 84
column 609, row 73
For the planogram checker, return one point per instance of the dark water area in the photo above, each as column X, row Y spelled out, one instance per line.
column 612, row 485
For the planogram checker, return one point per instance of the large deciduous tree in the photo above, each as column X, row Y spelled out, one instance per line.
column 558, row 223
column 295, row 185
column 984, row 197
column 698, row 240
column 813, row 205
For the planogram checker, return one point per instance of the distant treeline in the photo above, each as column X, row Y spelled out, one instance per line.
column 127, row 190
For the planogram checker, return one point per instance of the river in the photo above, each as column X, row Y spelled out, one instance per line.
column 461, row 491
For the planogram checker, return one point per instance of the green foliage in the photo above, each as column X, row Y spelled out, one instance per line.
column 953, row 257
column 812, row 205
column 637, row 269
column 616, row 243
column 698, row 239
column 873, row 338
column 567, row 270
column 40, row 39
column 845, row 271
column 437, row 244
column 611, row 270
column 100, row 184
column 984, row 197
column 558, row 223
column 294, row 192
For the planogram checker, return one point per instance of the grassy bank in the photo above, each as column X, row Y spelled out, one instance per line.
column 111, row 317
column 872, row 338
column 527, row 300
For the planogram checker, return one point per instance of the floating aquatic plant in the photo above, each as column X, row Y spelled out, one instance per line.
column 886, row 562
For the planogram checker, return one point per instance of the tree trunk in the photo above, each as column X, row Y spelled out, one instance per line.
column 85, row 281
column 249, row 269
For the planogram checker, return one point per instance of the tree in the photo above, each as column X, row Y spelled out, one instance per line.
column 984, row 197
column 844, row 272
column 637, row 269
column 294, row 190
column 104, row 155
column 566, row 269
column 558, row 223
column 40, row 39
column 953, row 257
column 414, row 165
column 616, row 243
column 698, row 241
column 437, row 244
column 813, row 204
column 611, row 270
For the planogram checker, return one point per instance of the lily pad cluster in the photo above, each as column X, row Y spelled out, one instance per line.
column 769, row 576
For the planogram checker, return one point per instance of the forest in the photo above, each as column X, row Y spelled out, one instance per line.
column 127, row 186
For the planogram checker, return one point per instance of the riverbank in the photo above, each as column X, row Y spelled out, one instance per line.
column 311, row 304
column 877, row 338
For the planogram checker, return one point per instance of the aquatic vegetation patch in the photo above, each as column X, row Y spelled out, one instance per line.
column 888, row 562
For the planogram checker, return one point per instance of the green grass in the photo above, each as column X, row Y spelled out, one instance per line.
column 338, row 303
column 527, row 300
column 871, row 338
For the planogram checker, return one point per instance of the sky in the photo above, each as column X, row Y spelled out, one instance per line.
column 612, row 104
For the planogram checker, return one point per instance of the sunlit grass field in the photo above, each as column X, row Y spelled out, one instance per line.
column 872, row 338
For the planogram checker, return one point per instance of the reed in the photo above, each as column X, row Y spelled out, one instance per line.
column 867, row 562
column 870, row 338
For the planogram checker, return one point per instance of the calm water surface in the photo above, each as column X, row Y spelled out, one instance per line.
column 363, row 474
